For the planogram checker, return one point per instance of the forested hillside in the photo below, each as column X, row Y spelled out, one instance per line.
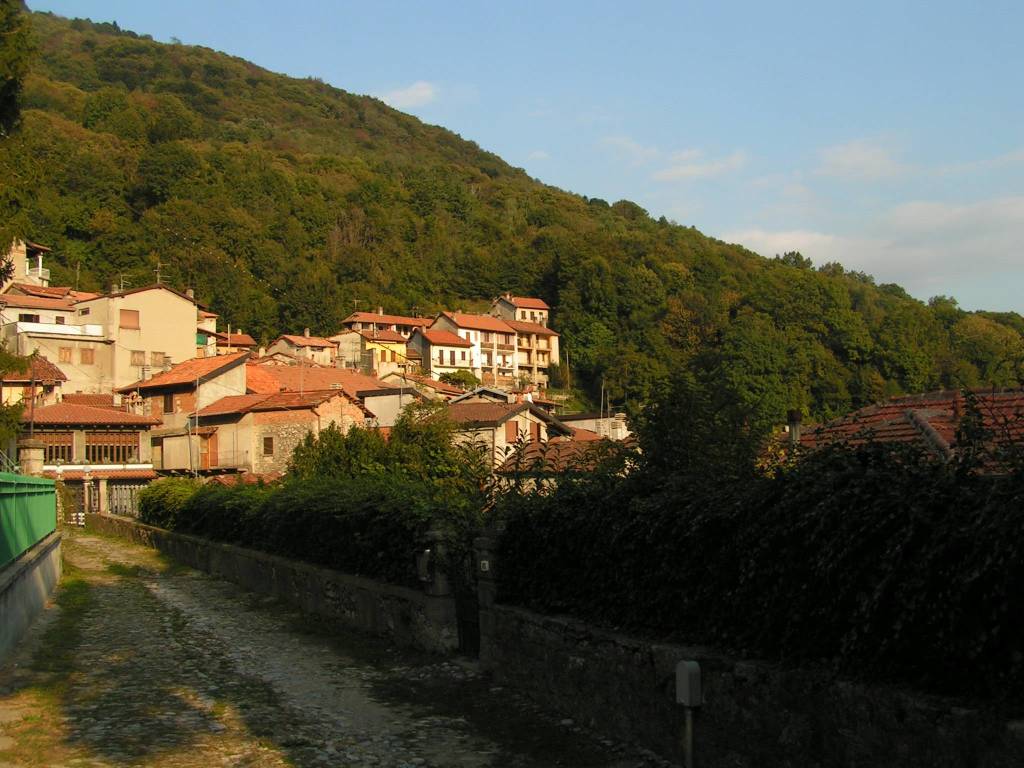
column 284, row 201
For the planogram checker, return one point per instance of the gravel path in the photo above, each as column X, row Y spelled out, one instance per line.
column 146, row 663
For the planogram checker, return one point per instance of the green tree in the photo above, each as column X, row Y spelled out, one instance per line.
column 16, row 52
column 461, row 378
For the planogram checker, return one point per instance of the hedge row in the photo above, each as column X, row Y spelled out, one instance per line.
column 878, row 561
column 370, row 526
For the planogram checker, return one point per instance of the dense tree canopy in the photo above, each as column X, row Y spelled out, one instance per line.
column 285, row 203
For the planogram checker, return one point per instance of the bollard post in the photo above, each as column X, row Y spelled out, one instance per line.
column 689, row 693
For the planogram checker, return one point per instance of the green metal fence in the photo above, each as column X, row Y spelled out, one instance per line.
column 28, row 513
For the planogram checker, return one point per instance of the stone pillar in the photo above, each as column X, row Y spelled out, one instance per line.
column 30, row 456
column 486, row 585
column 432, row 566
column 102, row 482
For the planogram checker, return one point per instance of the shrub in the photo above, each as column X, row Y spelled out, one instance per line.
column 162, row 500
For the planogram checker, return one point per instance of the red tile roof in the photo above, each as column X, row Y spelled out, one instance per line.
column 484, row 414
column 104, row 474
column 554, row 457
column 426, row 381
column 478, row 322
column 392, row 337
column 35, row 302
column 277, row 401
column 99, row 400
column 295, row 378
column 370, row 317
column 524, row 327
column 305, row 341
column 439, row 338
column 188, row 372
column 930, row 420
column 73, row 414
column 527, row 302
column 41, row 369
column 235, row 340
column 206, row 315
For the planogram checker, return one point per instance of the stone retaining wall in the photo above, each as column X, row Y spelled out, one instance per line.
column 404, row 615
column 25, row 585
column 755, row 714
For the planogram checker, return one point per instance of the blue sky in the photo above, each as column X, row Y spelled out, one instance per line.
column 888, row 136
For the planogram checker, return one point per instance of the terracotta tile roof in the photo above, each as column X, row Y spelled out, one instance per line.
column 74, row 413
column 393, row 337
column 47, row 291
column 484, row 414
column 277, row 401
column 235, row 340
column 370, row 317
column 478, row 322
column 554, row 457
column 527, row 302
column 305, row 341
column 440, row 338
column 426, row 381
column 104, row 474
column 198, row 368
column 524, row 327
column 153, row 287
column 99, row 400
column 206, row 314
column 41, row 369
column 931, row 420
column 294, row 378
column 36, row 302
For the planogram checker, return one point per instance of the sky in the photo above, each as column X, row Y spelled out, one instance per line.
column 887, row 136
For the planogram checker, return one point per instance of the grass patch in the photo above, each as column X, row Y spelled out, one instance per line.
column 56, row 652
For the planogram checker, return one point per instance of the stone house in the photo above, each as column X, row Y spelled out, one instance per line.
column 314, row 349
column 432, row 389
column 258, row 432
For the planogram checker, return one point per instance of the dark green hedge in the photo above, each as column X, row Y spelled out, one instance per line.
column 878, row 561
column 370, row 526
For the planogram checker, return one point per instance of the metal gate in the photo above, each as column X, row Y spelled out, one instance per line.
column 123, row 498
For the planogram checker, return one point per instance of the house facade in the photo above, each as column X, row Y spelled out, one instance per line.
column 313, row 349
column 38, row 380
column 377, row 353
column 498, row 428
column 442, row 351
column 378, row 321
column 522, row 308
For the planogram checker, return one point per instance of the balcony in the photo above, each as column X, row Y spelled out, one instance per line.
column 507, row 347
column 39, row 273
column 92, row 332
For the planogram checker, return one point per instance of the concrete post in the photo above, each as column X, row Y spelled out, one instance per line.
column 486, row 584
column 30, row 456
column 102, row 482
column 436, row 583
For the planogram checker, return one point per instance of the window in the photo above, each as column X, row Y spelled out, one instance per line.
column 87, row 356
column 451, row 357
column 59, row 446
column 130, row 319
column 64, row 355
column 138, row 357
column 59, row 319
column 522, row 314
column 156, row 359
column 26, row 318
column 440, row 356
column 511, row 431
column 168, row 403
column 268, row 446
column 486, row 337
column 463, row 355
column 111, row 447
column 84, row 312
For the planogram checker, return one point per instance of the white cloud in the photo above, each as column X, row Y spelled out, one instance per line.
column 858, row 160
column 631, row 150
column 690, row 164
column 927, row 247
column 539, row 154
column 418, row 94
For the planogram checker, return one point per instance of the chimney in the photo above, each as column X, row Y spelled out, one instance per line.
column 794, row 417
column 305, row 332
column 190, row 293
column 380, row 310
column 113, row 288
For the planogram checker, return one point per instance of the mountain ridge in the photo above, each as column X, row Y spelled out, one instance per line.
column 287, row 203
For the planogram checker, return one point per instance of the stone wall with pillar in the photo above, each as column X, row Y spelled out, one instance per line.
column 31, row 454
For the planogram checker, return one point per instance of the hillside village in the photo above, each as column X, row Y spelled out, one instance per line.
column 134, row 384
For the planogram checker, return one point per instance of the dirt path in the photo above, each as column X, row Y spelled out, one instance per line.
column 145, row 663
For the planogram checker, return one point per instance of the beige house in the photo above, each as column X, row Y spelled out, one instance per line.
column 27, row 258
column 174, row 397
column 524, row 308
column 442, row 351
column 39, row 379
column 375, row 352
column 498, row 428
column 314, row 349
column 258, row 433
column 536, row 350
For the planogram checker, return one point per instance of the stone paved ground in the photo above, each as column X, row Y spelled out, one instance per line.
column 145, row 663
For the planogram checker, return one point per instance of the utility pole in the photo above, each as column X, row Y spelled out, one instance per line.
column 159, row 266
